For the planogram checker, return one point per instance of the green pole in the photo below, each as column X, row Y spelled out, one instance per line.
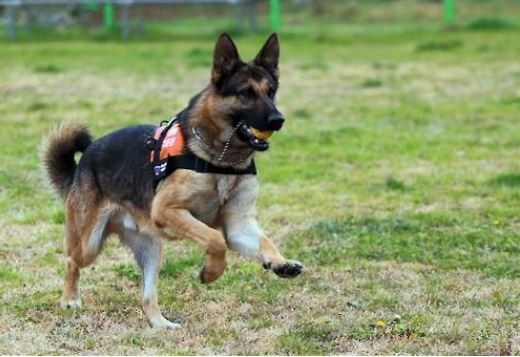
column 449, row 11
column 108, row 16
column 274, row 14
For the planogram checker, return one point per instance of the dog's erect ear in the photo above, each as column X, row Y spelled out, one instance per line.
column 225, row 57
column 269, row 54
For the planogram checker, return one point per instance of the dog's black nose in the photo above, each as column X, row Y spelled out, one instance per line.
column 275, row 121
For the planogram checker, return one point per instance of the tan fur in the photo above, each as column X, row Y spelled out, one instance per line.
column 208, row 116
column 213, row 210
column 188, row 205
column 261, row 87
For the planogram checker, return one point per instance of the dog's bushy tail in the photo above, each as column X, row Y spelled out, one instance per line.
column 57, row 154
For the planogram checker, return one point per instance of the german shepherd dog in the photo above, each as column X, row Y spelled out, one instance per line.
column 111, row 190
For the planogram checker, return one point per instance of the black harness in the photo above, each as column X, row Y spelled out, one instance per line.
column 187, row 160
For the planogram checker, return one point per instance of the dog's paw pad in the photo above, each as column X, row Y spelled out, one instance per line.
column 70, row 303
column 288, row 269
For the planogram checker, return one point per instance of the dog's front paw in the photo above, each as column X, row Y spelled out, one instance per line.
column 70, row 303
column 288, row 269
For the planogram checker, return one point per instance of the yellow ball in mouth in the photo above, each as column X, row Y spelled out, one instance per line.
column 261, row 134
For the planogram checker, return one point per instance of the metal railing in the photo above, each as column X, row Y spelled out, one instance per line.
column 12, row 7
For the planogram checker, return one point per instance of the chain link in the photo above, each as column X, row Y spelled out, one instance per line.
column 226, row 146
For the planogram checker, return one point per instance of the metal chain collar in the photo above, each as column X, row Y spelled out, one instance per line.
column 226, row 146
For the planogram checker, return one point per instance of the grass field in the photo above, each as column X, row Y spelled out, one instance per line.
column 396, row 181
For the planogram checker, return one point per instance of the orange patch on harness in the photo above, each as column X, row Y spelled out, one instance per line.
column 173, row 143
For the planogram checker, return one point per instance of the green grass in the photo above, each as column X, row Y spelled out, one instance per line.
column 395, row 180
column 490, row 24
column 439, row 45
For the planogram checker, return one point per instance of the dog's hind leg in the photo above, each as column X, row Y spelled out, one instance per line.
column 86, row 224
column 148, row 254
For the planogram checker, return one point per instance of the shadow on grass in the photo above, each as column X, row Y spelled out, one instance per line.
column 490, row 24
column 440, row 241
column 171, row 267
column 509, row 180
column 447, row 45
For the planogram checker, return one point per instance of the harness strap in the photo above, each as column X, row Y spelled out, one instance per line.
column 189, row 161
column 159, row 167
column 185, row 160
column 160, row 139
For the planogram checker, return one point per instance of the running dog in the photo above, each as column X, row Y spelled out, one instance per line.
column 193, row 178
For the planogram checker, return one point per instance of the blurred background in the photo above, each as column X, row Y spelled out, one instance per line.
column 395, row 180
column 152, row 19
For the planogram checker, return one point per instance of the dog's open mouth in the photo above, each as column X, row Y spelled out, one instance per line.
column 257, row 139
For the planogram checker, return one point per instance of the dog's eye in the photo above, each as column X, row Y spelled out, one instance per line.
column 248, row 93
